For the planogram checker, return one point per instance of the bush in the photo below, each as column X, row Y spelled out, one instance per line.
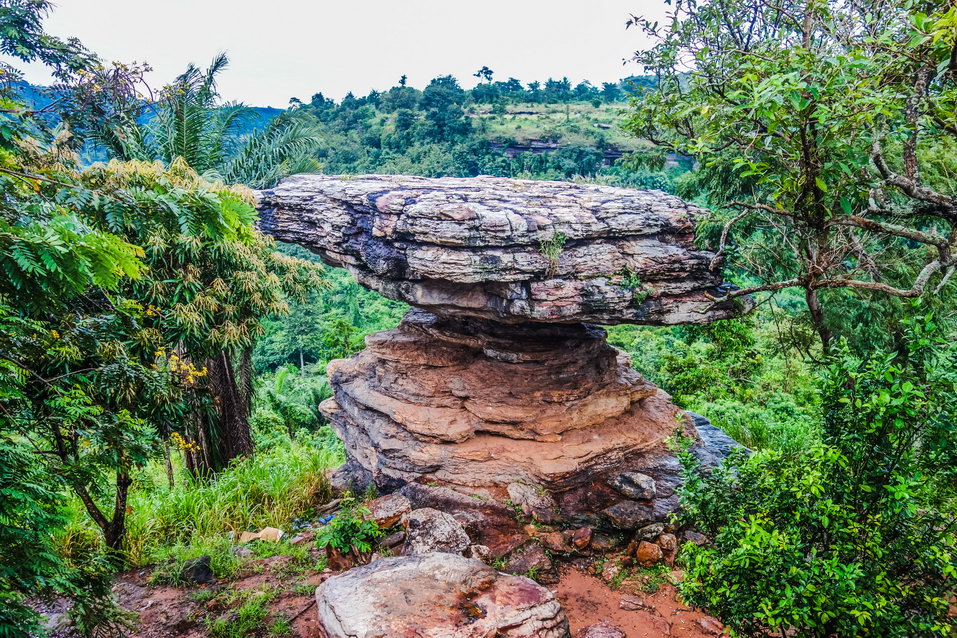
column 852, row 536
column 350, row 531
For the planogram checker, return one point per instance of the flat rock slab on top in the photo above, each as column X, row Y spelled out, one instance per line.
column 505, row 249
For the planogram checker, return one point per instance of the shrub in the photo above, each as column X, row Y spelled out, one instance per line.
column 350, row 530
column 853, row 536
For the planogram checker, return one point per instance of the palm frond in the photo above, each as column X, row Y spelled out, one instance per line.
column 287, row 145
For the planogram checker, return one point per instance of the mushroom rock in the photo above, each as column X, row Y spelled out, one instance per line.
column 498, row 375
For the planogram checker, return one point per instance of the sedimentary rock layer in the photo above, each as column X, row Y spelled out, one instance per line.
column 470, row 402
column 504, row 249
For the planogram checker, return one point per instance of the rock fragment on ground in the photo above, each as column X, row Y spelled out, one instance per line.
column 197, row 570
column 387, row 510
column 436, row 595
column 429, row 530
column 648, row 554
column 600, row 630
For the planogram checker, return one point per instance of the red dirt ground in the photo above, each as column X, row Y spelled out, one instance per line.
column 179, row 612
column 588, row 600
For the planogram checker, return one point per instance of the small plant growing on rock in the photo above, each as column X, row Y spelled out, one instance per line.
column 552, row 248
column 351, row 532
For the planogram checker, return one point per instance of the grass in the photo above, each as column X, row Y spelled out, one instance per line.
column 171, row 560
column 583, row 124
column 196, row 517
column 280, row 627
column 243, row 621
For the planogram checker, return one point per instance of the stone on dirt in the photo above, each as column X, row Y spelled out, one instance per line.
column 648, row 553
column 429, row 530
column 436, row 595
column 387, row 510
column 197, row 570
column 601, row 630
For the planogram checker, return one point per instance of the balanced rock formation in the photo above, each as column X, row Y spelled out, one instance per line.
column 436, row 596
column 504, row 249
column 496, row 379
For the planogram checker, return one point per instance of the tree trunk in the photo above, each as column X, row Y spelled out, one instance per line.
column 114, row 528
column 818, row 319
column 115, row 531
column 169, row 466
column 232, row 397
column 302, row 364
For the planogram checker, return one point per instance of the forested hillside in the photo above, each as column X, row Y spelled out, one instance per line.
column 549, row 130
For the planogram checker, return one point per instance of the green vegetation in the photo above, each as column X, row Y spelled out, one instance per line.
column 245, row 619
column 162, row 363
column 549, row 130
column 351, row 531
column 821, row 139
column 849, row 536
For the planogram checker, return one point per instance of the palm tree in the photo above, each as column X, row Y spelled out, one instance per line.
column 189, row 124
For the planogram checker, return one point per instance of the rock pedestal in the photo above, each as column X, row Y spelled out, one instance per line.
column 498, row 378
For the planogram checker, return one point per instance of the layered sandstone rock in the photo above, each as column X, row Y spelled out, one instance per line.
column 495, row 382
column 474, row 403
column 504, row 249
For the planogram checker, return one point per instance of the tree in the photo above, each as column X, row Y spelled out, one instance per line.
column 189, row 131
column 855, row 535
column 484, row 73
column 73, row 402
column 826, row 114
column 210, row 281
column 188, row 122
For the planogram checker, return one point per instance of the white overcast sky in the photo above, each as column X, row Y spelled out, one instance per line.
column 285, row 48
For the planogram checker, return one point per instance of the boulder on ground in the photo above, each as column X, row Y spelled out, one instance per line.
column 387, row 510
column 532, row 561
column 197, row 570
column 429, row 530
column 534, row 502
column 436, row 595
column 648, row 553
column 601, row 630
